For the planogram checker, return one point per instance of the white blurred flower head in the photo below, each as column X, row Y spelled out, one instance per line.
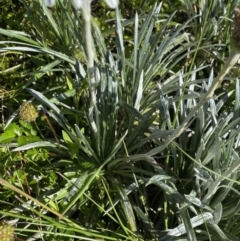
column 78, row 4
column 112, row 3
column 49, row 3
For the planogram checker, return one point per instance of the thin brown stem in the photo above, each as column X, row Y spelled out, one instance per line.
column 52, row 129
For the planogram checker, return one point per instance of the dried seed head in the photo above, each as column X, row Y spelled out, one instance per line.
column 6, row 232
column 235, row 35
column 28, row 112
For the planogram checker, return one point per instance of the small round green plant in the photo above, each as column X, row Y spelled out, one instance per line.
column 28, row 112
column 6, row 232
